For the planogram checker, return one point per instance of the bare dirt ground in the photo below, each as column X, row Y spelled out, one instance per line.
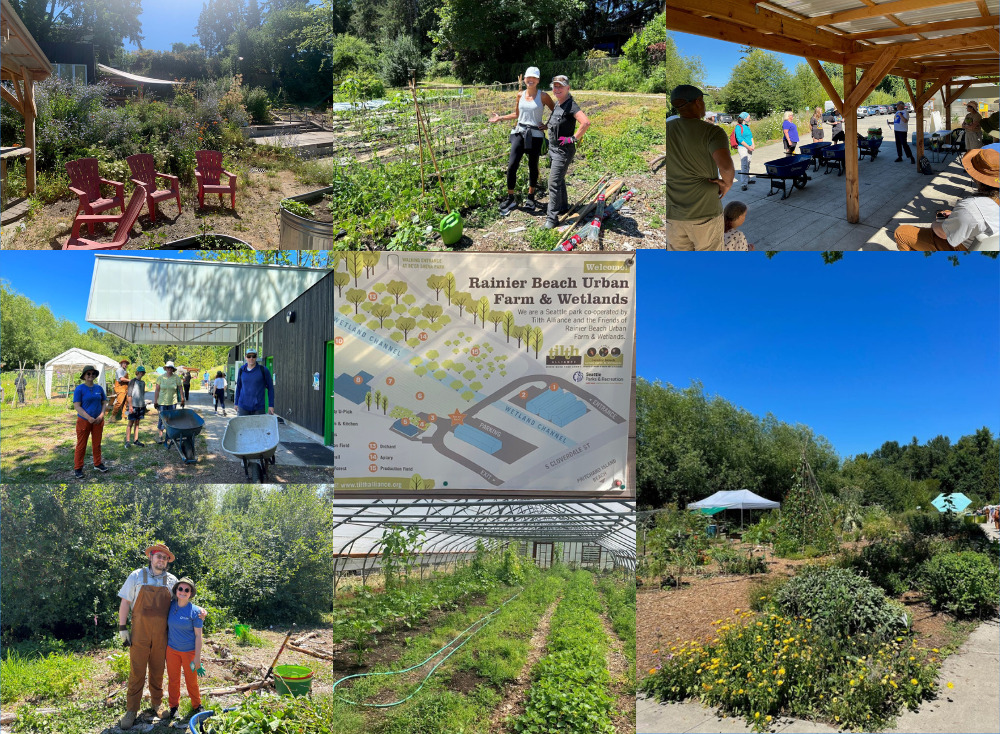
column 639, row 224
column 255, row 219
column 624, row 718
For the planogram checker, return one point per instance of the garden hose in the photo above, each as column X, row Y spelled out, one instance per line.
column 479, row 624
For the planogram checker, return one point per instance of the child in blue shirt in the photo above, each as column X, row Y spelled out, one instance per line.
column 184, row 625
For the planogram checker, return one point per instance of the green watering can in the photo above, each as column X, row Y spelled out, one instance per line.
column 451, row 228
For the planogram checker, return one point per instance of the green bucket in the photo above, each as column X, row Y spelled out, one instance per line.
column 451, row 228
column 293, row 680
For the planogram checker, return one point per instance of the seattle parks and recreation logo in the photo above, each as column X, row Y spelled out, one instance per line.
column 578, row 376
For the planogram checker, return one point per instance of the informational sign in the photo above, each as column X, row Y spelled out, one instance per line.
column 316, row 381
column 465, row 371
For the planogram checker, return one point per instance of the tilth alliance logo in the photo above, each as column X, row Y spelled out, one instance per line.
column 560, row 356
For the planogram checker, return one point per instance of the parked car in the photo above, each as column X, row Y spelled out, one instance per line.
column 724, row 118
column 830, row 116
column 862, row 112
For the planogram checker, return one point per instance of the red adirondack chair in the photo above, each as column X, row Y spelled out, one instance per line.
column 209, row 172
column 85, row 181
column 122, row 231
column 144, row 174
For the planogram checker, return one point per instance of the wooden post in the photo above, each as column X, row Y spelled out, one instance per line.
column 851, row 145
column 29, row 132
column 920, row 118
column 420, row 140
column 946, row 93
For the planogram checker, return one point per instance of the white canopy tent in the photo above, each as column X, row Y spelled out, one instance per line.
column 77, row 359
column 737, row 499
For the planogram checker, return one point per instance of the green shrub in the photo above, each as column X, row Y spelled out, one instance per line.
column 964, row 584
column 733, row 562
column 399, row 56
column 120, row 664
column 299, row 208
column 878, row 524
column 258, row 105
column 841, row 603
column 53, row 676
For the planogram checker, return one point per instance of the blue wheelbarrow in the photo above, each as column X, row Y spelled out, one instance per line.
column 181, row 426
column 816, row 151
column 196, row 722
column 791, row 168
column 869, row 147
column 834, row 157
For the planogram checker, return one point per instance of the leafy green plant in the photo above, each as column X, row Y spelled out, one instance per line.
column 120, row 665
column 267, row 716
column 299, row 208
column 678, row 540
column 246, row 638
column 732, row 561
column 49, row 677
column 964, row 584
column 840, row 602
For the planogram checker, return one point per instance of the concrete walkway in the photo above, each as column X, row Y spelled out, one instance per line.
column 215, row 429
column 815, row 218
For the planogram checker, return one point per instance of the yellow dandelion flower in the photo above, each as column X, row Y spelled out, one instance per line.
column 912, row 658
column 781, row 671
column 757, row 715
column 913, row 681
column 768, row 718
column 934, row 649
column 652, row 670
column 853, row 682
column 950, row 684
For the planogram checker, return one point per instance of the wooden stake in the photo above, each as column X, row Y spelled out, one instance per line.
column 420, row 142
column 307, row 651
column 430, row 149
column 280, row 650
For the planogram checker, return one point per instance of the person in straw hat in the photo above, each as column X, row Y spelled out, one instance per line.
column 973, row 217
column 169, row 392
column 146, row 593
column 90, row 403
column 184, row 625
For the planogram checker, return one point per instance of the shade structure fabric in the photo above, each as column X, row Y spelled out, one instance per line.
column 77, row 359
column 958, row 502
column 147, row 300
column 737, row 499
column 134, row 78
column 711, row 510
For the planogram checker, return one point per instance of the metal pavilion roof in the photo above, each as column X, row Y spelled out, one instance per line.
column 162, row 301
column 453, row 526
column 21, row 54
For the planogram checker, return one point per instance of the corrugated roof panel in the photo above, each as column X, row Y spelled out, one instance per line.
column 947, row 12
column 861, row 25
column 161, row 301
column 819, row 7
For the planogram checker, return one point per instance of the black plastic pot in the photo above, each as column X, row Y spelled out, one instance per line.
column 208, row 242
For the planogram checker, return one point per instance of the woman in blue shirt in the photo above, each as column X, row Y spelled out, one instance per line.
column 184, row 626
column 791, row 133
column 90, row 402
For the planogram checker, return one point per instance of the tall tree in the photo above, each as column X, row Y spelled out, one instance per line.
column 107, row 22
column 759, row 84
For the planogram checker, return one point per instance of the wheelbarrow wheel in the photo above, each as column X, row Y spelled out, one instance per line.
column 800, row 183
column 256, row 473
column 187, row 450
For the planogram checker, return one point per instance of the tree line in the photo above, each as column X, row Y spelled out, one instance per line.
column 258, row 555
column 690, row 445
column 480, row 42
column 32, row 335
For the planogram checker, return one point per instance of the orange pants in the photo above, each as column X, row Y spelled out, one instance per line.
column 85, row 430
column 178, row 661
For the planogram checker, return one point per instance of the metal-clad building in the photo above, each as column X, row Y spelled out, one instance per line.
column 298, row 349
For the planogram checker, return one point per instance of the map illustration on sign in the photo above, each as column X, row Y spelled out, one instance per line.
column 462, row 371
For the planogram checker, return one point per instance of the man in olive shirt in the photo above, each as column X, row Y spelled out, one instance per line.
column 699, row 172
column 169, row 392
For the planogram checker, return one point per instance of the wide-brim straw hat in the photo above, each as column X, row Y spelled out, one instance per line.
column 161, row 548
column 983, row 166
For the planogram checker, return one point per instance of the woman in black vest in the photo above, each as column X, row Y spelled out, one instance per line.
column 563, row 139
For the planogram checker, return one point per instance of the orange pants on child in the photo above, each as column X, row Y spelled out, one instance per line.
column 178, row 661
column 85, row 430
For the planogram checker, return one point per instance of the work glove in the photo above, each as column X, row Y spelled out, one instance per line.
column 567, row 141
column 200, row 669
column 156, row 406
column 126, row 637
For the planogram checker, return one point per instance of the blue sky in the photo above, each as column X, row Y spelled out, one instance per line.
column 166, row 22
column 719, row 57
column 873, row 348
column 61, row 280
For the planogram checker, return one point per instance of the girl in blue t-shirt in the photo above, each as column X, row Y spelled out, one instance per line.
column 184, row 624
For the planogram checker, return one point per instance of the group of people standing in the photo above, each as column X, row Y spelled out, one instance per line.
column 528, row 138
column 254, row 385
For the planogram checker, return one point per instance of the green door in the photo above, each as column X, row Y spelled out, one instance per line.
column 269, row 363
column 328, row 407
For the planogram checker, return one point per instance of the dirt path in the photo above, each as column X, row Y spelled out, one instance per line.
column 512, row 705
column 624, row 718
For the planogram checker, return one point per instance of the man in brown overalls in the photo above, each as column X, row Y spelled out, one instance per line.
column 146, row 593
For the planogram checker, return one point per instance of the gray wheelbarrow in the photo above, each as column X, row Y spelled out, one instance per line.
column 253, row 439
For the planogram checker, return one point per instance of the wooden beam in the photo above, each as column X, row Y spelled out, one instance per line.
column 924, row 98
column 890, row 8
column 764, row 21
column 911, row 49
column 10, row 99
column 851, row 145
column 827, row 84
column 874, row 75
column 935, row 72
column 991, row 39
column 913, row 99
column 683, row 22
column 919, row 109
column 944, row 25
column 983, row 10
